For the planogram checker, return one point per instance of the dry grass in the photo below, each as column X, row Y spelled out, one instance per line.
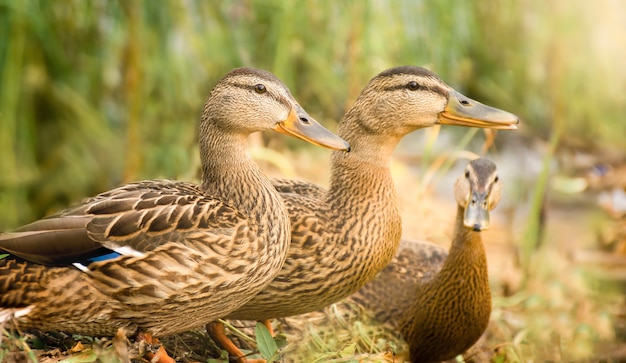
column 558, row 312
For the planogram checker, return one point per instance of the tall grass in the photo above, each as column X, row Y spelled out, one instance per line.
column 95, row 93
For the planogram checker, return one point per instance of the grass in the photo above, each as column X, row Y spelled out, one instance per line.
column 97, row 93
column 559, row 314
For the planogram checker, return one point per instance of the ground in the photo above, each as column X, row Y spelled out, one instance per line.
column 565, row 305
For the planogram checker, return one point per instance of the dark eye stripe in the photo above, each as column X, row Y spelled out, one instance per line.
column 276, row 97
column 435, row 89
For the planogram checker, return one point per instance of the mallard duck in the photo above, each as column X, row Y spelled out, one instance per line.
column 440, row 301
column 165, row 256
column 397, row 298
column 341, row 238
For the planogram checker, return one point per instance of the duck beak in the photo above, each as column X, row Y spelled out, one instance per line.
column 476, row 214
column 299, row 124
column 464, row 111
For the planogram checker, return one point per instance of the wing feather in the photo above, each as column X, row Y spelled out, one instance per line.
column 134, row 218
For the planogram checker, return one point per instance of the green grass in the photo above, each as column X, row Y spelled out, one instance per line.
column 96, row 93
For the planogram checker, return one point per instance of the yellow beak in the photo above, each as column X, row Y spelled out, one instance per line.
column 299, row 124
column 464, row 111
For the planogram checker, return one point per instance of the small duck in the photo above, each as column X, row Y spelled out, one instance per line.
column 440, row 301
column 164, row 256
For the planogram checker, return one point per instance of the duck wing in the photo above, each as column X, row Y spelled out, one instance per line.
column 305, row 189
column 394, row 289
column 128, row 220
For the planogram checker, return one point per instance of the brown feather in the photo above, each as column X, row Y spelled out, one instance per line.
column 190, row 253
column 342, row 237
column 440, row 302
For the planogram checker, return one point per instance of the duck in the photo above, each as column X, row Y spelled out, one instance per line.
column 440, row 301
column 165, row 256
column 343, row 236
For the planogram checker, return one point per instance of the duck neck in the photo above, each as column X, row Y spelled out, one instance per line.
column 229, row 173
column 465, row 268
column 466, row 258
column 362, row 190
column 451, row 310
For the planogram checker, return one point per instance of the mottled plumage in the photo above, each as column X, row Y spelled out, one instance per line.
column 440, row 301
column 342, row 237
column 165, row 256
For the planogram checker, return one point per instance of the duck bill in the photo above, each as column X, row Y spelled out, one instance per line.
column 476, row 214
column 299, row 124
column 464, row 111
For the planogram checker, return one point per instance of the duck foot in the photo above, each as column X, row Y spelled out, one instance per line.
column 218, row 334
column 160, row 356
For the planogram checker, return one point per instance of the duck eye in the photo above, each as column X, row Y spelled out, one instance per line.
column 259, row 88
column 413, row 85
column 467, row 174
column 495, row 180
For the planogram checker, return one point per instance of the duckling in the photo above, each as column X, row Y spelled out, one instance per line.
column 164, row 256
column 441, row 302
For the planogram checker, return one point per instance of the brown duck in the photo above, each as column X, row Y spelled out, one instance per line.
column 165, row 256
column 440, row 301
column 342, row 237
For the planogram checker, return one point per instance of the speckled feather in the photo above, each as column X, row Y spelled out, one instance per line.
column 440, row 302
column 342, row 237
column 189, row 253
column 300, row 287
column 395, row 286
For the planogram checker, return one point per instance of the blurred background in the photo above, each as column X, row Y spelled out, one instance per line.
column 98, row 93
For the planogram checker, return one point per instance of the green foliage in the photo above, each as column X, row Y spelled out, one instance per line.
column 95, row 93
column 265, row 342
column 223, row 358
column 532, row 235
column 14, row 347
column 87, row 357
